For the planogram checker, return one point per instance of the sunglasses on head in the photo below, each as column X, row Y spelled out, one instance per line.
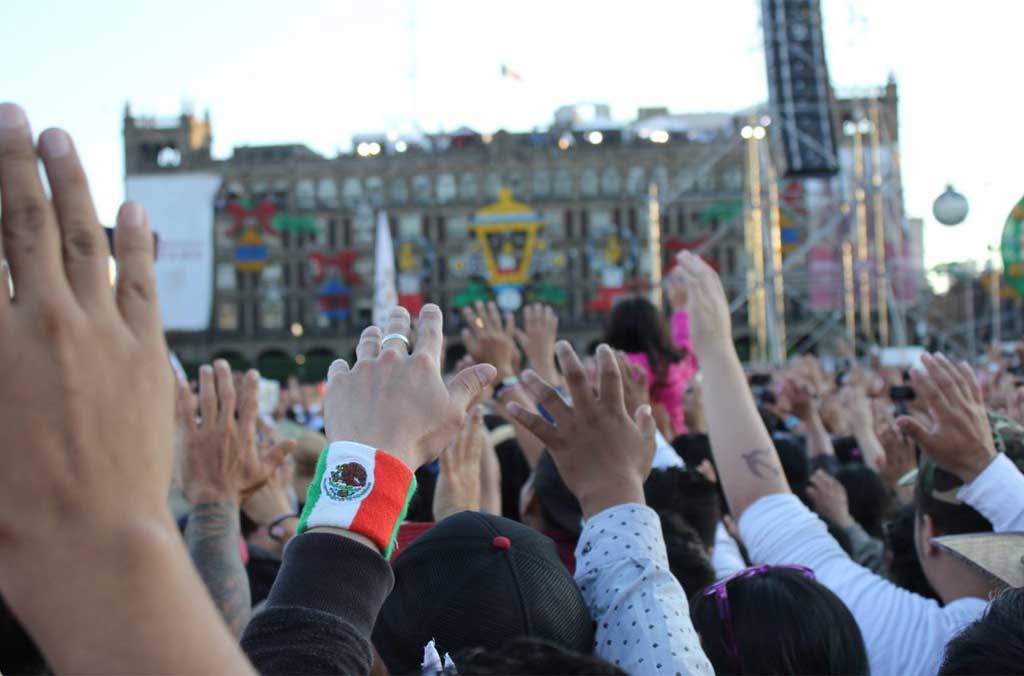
column 720, row 590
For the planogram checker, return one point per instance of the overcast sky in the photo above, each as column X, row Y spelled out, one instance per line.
column 318, row 72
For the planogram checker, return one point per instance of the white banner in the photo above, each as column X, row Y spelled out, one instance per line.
column 180, row 208
column 385, row 298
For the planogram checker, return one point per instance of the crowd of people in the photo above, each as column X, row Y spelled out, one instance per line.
column 645, row 506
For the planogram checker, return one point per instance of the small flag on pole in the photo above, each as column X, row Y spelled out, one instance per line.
column 511, row 74
column 385, row 297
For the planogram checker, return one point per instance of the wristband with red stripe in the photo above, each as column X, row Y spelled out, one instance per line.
column 361, row 489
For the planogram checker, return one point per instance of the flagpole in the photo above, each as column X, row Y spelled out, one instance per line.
column 654, row 242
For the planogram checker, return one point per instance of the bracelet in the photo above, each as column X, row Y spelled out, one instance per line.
column 507, row 383
column 361, row 489
column 274, row 530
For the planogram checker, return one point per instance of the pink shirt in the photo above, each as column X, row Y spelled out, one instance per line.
column 669, row 393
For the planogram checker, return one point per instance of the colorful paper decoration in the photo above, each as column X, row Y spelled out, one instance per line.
column 613, row 255
column 415, row 261
column 248, row 226
column 298, row 224
column 507, row 240
column 1012, row 248
column 334, row 273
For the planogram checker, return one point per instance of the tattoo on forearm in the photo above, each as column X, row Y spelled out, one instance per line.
column 760, row 464
column 212, row 535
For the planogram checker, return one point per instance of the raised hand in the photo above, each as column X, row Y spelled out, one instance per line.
column 458, row 481
column 803, row 397
column 829, row 499
column 603, row 454
column 537, row 340
column 396, row 401
column 675, row 288
column 222, row 459
column 88, row 420
column 490, row 341
column 959, row 439
column 710, row 324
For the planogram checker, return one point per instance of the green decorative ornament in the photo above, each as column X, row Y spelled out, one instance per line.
column 1012, row 247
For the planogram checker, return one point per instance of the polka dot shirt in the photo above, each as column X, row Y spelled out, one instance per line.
column 642, row 616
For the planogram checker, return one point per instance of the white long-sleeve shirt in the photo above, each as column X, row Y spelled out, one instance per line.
column 726, row 558
column 998, row 495
column 904, row 633
column 642, row 616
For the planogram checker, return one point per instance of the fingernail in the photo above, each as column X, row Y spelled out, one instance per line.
column 513, row 408
column 54, row 143
column 132, row 215
column 485, row 373
column 12, row 117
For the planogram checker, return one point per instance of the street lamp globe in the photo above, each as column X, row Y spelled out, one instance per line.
column 950, row 208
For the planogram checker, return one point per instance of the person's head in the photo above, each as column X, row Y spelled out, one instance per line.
column 546, row 503
column 777, row 620
column 635, row 325
column 689, row 557
column 477, row 580
column 993, row 644
column 688, row 494
column 938, row 511
column 530, row 655
column 904, row 568
column 866, row 496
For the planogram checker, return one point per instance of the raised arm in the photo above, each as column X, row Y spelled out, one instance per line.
column 90, row 559
column 960, row 441
column 222, row 465
column 491, row 342
column 679, row 321
column 604, row 456
column 385, row 417
column 747, row 463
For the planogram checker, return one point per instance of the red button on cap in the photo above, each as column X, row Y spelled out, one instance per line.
column 501, row 542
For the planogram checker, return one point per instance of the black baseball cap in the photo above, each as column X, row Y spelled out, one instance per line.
column 474, row 581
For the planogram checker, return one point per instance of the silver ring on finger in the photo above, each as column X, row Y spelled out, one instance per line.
column 395, row 336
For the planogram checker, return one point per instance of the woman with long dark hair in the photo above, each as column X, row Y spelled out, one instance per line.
column 777, row 620
column 639, row 329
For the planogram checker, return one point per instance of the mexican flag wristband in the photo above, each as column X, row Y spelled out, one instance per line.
column 361, row 489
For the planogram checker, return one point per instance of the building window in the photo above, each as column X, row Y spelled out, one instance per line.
column 399, row 191
column 352, row 193
column 445, row 188
column 588, row 182
column 279, row 194
column 375, row 190
column 410, row 225
column 635, row 181
column 305, row 194
column 492, row 186
column 226, row 277
column 563, row 183
column 260, row 190
column 271, row 300
column 467, row 188
column 541, row 183
column 227, row 315
column 421, row 189
column 456, row 228
column 569, row 224
column 327, row 193
column 611, row 181
column 553, row 227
